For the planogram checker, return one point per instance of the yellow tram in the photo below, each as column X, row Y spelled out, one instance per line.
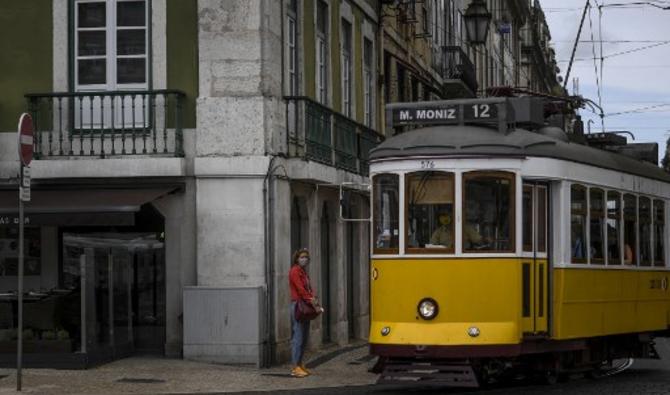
column 499, row 245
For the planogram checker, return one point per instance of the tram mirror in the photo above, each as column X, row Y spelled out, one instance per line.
column 351, row 207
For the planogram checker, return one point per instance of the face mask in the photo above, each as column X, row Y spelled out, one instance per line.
column 303, row 261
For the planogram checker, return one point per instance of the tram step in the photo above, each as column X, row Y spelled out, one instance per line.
column 429, row 373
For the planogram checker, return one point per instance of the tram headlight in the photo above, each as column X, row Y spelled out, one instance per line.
column 428, row 308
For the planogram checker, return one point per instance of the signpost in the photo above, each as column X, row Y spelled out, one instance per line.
column 25, row 137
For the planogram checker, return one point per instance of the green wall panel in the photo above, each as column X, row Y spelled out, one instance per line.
column 182, row 54
column 26, row 55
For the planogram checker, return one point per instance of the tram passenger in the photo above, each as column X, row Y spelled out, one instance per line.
column 627, row 255
column 443, row 235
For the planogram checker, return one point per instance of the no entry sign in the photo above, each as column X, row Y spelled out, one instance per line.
column 26, row 130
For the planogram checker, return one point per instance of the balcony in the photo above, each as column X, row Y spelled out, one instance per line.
column 319, row 134
column 107, row 124
column 460, row 79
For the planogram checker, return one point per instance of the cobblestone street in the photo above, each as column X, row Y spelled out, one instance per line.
column 336, row 371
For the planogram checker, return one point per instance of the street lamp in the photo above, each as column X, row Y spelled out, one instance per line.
column 477, row 18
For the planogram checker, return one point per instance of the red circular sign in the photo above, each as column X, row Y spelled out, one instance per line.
column 26, row 131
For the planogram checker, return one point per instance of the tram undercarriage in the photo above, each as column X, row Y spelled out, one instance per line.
column 546, row 361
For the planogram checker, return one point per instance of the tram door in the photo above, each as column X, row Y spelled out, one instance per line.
column 534, row 265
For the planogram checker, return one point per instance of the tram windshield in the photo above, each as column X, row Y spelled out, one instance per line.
column 488, row 212
column 430, row 211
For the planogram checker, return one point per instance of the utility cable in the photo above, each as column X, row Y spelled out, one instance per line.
column 595, row 69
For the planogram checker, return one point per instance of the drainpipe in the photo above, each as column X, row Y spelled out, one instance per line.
column 268, row 220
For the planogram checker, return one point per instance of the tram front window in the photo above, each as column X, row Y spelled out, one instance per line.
column 430, row 212
column 488, row 212
column 386, row 213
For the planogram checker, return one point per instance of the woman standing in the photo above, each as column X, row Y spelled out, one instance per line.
column 300, row 291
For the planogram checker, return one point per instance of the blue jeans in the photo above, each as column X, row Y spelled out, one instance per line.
column 299, row 337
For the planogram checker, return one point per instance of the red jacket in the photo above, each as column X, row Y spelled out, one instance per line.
column 299, row 284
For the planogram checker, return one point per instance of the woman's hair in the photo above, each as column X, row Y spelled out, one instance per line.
column 297, row 254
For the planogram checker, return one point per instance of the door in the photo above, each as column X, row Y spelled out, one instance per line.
column 535, row 264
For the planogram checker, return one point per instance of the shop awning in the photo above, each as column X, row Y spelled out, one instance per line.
column 79, row 206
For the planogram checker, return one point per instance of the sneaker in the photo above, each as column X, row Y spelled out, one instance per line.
column 305, row 369
column 298, row 372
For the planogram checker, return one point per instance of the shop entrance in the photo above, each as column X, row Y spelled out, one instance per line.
column 122, row 278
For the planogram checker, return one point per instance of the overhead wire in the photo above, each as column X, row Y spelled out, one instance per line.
column 595, row 69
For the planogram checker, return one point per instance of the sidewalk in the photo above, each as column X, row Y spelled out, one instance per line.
column 333, row 367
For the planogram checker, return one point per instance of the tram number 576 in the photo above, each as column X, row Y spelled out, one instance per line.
column 427, row 164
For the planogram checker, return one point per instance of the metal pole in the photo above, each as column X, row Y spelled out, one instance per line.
column 19, row 345
column 574, row 48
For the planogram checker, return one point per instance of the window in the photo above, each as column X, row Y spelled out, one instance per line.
column 346, row 68
column 596, row 225
column 110, row 53
column 291, row 49
column 578, row 223
column 541, row 219
column 659, row 233
column 368, row 87
column 527, row 218
column 613, row 225
column 322, row 51
column 430, row 212
column 645, row 231
column 111, row 44
column 386, row 213
column 488, row 212
column 630, row 229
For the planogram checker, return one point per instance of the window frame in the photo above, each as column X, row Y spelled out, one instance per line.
column 322, row 52
column 618, row 217
column 111, row 56
column 584, row 214
column 347, row 33
column 292, row 48
column 386, row 250
column 368, row 84
column 473, row 174
column 419, row 250
column 636, row 247
column 650, row 226
column 655, row 216
column 602, row 215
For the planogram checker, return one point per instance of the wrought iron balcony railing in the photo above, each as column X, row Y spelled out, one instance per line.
column 104, row 124
column 457, row 66
column 318, row 133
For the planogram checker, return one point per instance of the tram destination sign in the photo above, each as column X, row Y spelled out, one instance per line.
column 445, row 113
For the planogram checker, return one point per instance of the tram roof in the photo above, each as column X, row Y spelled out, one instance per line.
column 467, row 140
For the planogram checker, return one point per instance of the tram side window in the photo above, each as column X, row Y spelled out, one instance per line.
column 659, row 233
column 488, row 212
column 542, row 219
column 629, row 229
column 578, row 223
column 597, row 219
column 385, row 192
column 645, row 231
column 613, row 225
column 430, row 212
